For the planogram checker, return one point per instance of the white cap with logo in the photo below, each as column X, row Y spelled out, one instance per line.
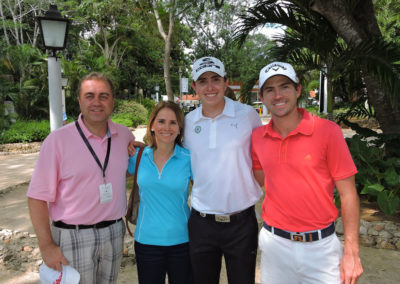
column 206, row 64
column 277, row 68
column 68, row 275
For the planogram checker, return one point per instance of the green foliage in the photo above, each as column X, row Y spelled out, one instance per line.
column 388, row 18
column 377, row 158
column 149, row 105
column 313, row 110
column 26, row 131
column 24, row 68
column 339, row 58
column 129, row 113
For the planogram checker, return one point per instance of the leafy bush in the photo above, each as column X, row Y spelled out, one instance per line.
column 377, row 159
column 129, row 113
column 26, row 131
column 148, row 104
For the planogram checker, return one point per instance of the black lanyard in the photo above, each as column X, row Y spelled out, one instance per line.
column 92, row 151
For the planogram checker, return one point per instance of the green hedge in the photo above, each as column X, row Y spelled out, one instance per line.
column 148, row 104
column 25, row 131
column 129, row 113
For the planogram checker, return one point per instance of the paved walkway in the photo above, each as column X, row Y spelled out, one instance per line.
column 16, row 169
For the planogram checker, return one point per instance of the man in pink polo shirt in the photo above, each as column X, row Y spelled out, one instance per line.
column 79, row 183
column 301, row 158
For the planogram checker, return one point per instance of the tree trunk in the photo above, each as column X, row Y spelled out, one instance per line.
column 4, row 25
column 167, row 51
column 354, row 28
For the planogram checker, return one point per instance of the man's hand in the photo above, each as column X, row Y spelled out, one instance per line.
column 51, row 254
column 132, row 147
column 53, row 257
column 350, row 269
column 350, row 266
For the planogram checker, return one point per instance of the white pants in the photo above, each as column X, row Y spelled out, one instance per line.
column 287, row 262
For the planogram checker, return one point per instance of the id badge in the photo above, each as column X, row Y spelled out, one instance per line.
column 105, row 193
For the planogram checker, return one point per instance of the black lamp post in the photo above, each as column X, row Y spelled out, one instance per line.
column 54, row 31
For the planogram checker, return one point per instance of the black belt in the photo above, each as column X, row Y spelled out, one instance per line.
column 224, row 218
column 302, row 237
column 103, row 224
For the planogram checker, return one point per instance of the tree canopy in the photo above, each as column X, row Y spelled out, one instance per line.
column 142, row 44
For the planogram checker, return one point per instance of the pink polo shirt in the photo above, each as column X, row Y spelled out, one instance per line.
column 68, row 178
column 300, row 172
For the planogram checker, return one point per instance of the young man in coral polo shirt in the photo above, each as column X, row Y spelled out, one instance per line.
column 301, row 158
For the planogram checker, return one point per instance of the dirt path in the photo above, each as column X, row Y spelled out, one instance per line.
column 380, row 266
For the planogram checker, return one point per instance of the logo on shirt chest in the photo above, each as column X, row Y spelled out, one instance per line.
column 197, row 129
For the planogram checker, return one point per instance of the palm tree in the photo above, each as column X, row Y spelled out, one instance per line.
column 312, row 41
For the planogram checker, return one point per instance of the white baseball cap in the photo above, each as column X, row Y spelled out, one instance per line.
column 206, row 64
column 277, row 68
column 68, row 275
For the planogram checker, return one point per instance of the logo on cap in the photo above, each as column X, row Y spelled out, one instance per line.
column 207, row 62
column 275, row 67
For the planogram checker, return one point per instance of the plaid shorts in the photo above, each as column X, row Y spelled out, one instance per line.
column 95, row 253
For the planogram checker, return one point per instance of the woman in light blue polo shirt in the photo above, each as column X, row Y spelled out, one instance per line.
column 164, row 175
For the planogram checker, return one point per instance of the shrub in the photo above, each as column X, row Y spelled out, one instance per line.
column 122, row 118
column 377, row 159
column 26, row 131
column 149, row 105
column 129, row 113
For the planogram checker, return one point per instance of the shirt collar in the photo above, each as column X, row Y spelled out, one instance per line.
column 305, row 127
column 229, row 110
column 150, row 151
column 111, row 128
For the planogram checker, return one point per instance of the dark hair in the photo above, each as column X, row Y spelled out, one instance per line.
column 295, row 85
column 225, row 78
column 149, row 138
column 230, row 93
column 96, row 76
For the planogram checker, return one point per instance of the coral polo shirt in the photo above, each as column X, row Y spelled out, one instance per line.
column 300, row 172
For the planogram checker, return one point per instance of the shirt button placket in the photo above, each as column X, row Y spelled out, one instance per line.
column 282, row 151
column 213, row 134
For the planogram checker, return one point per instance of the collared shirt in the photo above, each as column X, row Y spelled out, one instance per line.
column 67, row 176
column 300, row 172
column 221, row 159
column 163, row 208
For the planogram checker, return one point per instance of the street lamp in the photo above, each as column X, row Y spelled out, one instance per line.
column 54, row 31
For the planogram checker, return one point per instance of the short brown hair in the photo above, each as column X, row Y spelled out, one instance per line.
column 225, row 78
column 149, row 138
column 96, row 76
column 295, row 85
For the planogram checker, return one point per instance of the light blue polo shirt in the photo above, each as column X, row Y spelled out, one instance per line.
column 163, row 209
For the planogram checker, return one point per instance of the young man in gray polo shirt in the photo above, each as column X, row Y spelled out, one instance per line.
column 223, row 220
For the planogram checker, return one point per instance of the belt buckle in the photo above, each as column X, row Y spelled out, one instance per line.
column 298, row 237
column 222, row 218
